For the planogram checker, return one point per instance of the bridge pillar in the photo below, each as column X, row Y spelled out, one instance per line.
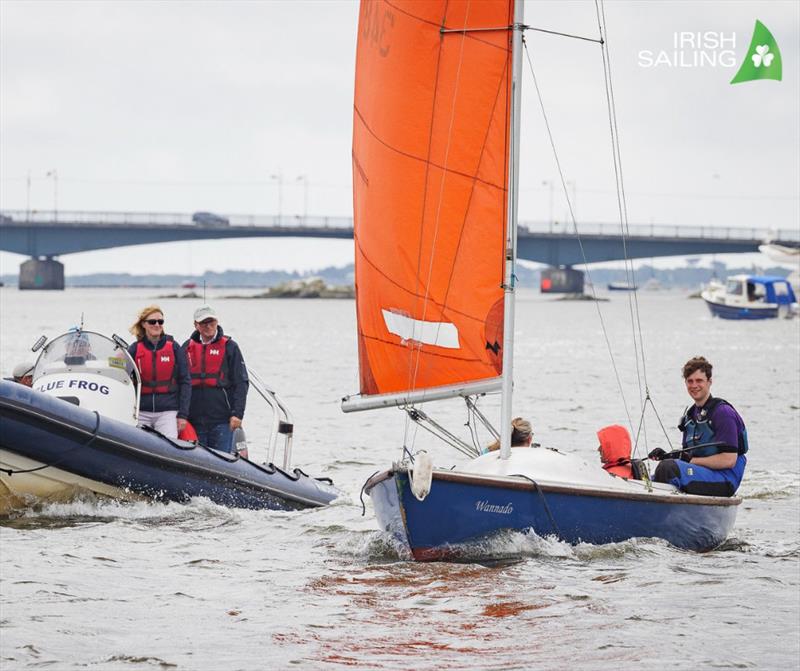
column 41, row 274
column 564, row 280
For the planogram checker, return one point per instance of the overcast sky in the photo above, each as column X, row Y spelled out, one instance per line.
column 188, row 106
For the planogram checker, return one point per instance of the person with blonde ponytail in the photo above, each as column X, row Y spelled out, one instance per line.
column 521, row 435
column 166, row 385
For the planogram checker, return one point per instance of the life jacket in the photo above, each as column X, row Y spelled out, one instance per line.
column 208, row 366
column 157, row 367
column 700, row 431
column 615, row 450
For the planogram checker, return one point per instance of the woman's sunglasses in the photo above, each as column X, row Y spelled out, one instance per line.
column 153, row 322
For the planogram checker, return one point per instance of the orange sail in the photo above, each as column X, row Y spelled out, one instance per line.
column 430, row 181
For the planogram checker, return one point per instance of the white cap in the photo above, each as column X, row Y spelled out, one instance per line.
column 205, row 312
column 23, row 369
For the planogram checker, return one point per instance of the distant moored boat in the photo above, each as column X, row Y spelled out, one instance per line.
column 750, row 297
column 621, row 286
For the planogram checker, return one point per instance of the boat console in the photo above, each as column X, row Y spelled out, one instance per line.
column 91, row 371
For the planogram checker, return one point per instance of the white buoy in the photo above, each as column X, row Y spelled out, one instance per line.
column 421, row 476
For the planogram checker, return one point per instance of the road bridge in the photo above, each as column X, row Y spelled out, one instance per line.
column 45, row 235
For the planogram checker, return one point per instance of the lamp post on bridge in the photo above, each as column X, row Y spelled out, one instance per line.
column 278, row 177
column 574, row 208
column 304, row 180
column 548, row 183
column 28, row 197
column 54, row 174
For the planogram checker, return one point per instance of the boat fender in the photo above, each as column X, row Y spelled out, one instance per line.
column 421, row 476
column 188, row 433
column 239, row 442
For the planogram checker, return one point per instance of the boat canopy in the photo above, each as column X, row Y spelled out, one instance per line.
column 769, row 288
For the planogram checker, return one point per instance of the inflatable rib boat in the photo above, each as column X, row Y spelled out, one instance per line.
column 76, row 429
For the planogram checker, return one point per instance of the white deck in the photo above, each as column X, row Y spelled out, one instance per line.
column 550, row 467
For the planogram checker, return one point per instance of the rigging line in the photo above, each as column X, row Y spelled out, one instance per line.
column 649, row 400
column 436, row 429
column 486, row 423
column 413, row 361
column 578, row 235
column 523, row 27
column 475, row 30
column 630, row 278
column 473, row 429
column 416, row 359
column 624, row 202
column 658, row 417
column 503, row 80
column 622, row 188
column 556, row 32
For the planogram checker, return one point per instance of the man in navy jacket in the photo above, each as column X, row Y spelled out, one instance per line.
column 219, row 381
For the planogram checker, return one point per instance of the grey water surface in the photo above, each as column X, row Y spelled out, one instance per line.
column 98, row 584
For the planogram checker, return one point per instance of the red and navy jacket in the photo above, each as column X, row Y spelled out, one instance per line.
column 219, row 380
column 165, row 375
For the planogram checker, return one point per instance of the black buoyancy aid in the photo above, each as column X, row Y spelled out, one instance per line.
column 157, row 367
column 701, row 431
column 208, row 366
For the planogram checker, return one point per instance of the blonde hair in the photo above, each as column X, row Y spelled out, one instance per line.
column 136, row 329
column 522, row 431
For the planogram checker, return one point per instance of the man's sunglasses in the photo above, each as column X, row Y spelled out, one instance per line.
column 153, row 322
column 208, row 322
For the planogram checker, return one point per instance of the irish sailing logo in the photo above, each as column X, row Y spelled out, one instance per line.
column 763, row 59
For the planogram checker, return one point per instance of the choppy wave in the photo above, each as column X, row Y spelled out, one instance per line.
column 762, row 484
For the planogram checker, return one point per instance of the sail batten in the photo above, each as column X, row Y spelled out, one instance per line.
column 430, row 189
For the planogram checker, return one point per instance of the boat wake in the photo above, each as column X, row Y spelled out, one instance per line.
column 88, row 508
column 503, row 547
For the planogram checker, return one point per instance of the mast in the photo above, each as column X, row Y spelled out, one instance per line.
column 511, row 233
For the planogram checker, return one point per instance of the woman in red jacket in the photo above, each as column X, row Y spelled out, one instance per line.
column 166, row 385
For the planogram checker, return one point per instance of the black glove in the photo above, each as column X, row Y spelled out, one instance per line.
column 657, row 455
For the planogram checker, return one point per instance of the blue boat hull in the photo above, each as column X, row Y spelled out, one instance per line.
column 461, row 509
column 734, row 312
column 48, row 431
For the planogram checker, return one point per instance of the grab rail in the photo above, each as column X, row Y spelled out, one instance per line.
column 281, row 420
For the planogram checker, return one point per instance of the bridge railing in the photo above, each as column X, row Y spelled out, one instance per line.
column 172, row 219
column 667, row 231
column 49, row 217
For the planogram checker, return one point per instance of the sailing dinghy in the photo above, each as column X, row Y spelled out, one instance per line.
column 435, row 175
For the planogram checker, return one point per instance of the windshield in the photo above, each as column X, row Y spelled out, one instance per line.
column 734, row 287
column 82, row 348
column 781, row 288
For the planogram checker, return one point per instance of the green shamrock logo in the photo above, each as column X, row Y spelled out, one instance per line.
column 763, row 60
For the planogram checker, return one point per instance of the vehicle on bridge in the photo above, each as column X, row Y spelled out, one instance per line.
column 209, row 219
column 76, row 429
column 751, row 297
